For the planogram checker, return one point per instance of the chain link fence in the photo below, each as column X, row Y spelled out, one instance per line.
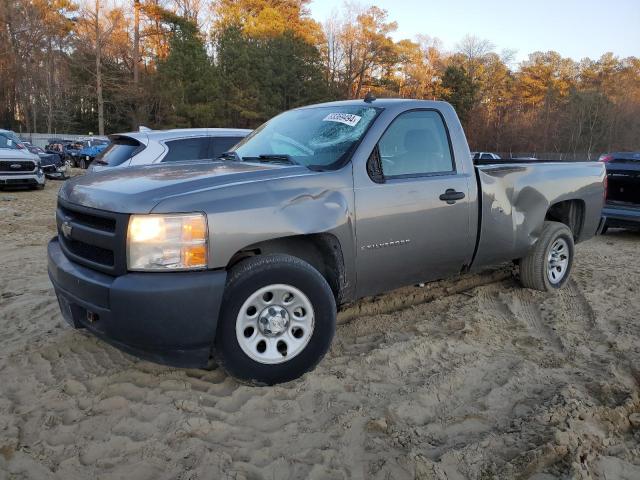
column 43, row 139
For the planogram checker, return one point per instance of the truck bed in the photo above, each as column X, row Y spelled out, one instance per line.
column 516, row 197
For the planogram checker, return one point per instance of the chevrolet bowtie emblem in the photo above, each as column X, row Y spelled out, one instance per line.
column 66, row 229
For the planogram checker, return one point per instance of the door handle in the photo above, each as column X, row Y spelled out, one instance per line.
column 451, row 196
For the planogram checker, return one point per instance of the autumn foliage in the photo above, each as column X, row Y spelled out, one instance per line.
column 75, row 67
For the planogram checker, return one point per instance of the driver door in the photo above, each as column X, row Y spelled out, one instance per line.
column 412, row 223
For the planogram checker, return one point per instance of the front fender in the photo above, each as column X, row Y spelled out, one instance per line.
column 242, row 215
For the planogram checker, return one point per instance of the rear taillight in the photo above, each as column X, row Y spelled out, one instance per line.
column 605, row 158
column 605, row 184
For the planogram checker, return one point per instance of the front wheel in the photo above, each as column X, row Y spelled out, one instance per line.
column 548, row 265
column 277, row 322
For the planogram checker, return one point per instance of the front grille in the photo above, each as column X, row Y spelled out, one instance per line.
column 94, row 238
column 96, row 254
column 19, row 181
column 14, row 166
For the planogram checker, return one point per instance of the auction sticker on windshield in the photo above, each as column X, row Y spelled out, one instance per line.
column 346, row 118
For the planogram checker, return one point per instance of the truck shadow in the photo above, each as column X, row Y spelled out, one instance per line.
column 409, row 296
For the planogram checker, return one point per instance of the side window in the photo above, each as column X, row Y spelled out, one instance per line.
column 415, row 143
column 223, row 144
column 187, row 149
column 486, row 156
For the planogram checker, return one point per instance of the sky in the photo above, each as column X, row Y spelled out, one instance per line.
column 573, row 28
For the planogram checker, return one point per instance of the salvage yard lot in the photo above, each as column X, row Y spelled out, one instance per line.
column 496, row 381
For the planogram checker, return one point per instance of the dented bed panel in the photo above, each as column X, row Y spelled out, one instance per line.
column 515, row 199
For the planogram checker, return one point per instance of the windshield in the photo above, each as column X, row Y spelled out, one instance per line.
column 6, row 142
column 316, row 137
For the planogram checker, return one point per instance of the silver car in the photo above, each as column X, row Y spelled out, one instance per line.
column 154, row 146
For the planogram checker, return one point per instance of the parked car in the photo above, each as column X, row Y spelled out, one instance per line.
column 80, row 152
column 155, row 146
column 57, row 145
column 18, row 166
column 484, row 156
column 51, row 163
column 72, row 151
column 247, row 258
column 87, row 154
column 622, row 207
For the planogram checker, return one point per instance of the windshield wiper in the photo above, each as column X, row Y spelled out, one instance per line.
column 231, row 155
column 275, row 158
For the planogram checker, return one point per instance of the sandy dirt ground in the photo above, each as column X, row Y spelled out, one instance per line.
column 475, row 378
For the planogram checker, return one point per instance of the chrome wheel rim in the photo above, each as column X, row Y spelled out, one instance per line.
column 558, row 261
column 275, row 324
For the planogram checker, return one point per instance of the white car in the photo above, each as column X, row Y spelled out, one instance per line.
column 154, row 146
column 18, row 166
column 484, row 156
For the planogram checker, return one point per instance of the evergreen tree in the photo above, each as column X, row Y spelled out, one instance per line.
column 261, row 77
column 460, row 91
column 185, row 78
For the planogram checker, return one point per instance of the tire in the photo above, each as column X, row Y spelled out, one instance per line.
column 248, row 285
column 536, row 268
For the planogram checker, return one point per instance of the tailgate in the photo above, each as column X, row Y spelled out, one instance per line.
column 623, row 182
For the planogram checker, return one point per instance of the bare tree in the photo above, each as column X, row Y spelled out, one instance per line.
column 474, row 49
column 332, row 51
column 102, row 26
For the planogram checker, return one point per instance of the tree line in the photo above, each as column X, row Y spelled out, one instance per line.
column 100, row 67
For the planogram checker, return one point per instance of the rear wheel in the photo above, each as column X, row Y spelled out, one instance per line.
column 277, row 322
column 548, row 265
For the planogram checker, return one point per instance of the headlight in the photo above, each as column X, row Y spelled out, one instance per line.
column 167, row 242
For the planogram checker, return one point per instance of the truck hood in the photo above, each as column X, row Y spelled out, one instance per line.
column 140, row 189
column 13, row 154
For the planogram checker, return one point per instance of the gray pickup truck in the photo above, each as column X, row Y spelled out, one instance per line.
column 245, row 260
